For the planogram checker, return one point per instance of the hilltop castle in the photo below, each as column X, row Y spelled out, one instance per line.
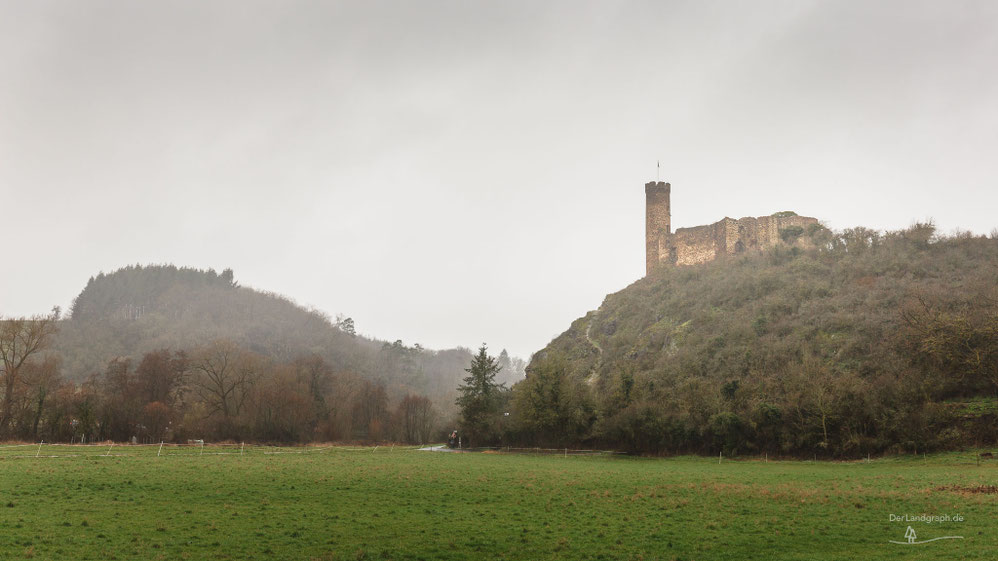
column 700, row 244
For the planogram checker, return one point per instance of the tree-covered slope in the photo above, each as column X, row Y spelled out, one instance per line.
column 139, row 309
column 867, row 342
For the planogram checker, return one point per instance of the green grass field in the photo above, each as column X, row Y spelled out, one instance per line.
column 405, row 504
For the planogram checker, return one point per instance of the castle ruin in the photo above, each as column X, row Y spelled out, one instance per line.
column 700, row 244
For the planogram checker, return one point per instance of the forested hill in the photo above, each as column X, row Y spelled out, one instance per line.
column 870, row 342
column 140, row 309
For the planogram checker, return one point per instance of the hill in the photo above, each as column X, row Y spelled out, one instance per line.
column 136, row 310
column 868, row 342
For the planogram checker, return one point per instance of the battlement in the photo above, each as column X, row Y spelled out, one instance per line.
column 700, row 244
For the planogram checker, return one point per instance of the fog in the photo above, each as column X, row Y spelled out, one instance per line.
column 449, row 173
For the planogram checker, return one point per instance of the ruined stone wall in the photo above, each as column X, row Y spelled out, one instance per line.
column 689, row 246
column 750, row 233
column 700, row 244
column 799, row 221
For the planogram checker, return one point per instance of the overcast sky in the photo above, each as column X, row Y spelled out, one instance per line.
column 450, row 173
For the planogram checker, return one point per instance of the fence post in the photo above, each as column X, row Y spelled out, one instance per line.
column 202, row 448
column 160, row 451
column 718, row 458
column 241, row 446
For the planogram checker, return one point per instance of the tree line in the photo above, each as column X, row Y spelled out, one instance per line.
column 217, row 391
column 139, row 309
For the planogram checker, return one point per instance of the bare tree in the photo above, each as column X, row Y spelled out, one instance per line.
column 156, row 415
column 42, row 378
column 282, row 409
column 20, row 339
column 317, row 376
column 414, row 419
column 957, row 336
column 370, row 411
column 160, row 375
column 224, row 373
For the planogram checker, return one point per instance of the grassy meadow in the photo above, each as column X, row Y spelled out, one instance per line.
column 385, row 503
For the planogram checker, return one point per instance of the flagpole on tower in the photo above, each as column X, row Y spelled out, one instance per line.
column 658, row 170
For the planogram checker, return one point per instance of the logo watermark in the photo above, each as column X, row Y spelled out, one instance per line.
column 911, row 537
column 926, row 518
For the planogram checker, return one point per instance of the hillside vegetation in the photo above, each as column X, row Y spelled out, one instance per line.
column 866, row 343
column 162, row 352
column 138, row 309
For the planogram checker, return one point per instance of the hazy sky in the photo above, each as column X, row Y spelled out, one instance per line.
column 449, row 173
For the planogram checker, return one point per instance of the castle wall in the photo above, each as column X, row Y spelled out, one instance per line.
column 750, row 233
column 701, row 244
column 689, row 246
column 798, row 221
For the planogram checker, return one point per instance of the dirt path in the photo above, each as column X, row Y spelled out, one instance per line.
column 591, row 379
column 438, row 448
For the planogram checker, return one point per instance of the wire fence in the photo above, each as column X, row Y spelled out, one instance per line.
column 199, row 448
column 167, row 449
column 15, row 450
column 529, row 451
column 554, row 451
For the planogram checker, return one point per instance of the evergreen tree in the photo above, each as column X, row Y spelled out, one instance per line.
column 481, row 400
column 552, row 408
column 505, row 364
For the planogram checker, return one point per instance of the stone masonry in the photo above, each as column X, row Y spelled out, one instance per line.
column 700, row 244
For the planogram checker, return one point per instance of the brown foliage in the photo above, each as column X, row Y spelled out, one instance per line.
column 21, row 339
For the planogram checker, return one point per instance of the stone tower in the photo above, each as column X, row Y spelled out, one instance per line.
column 657, row 220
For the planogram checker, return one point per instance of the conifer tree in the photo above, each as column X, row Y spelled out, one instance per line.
column 481, row 400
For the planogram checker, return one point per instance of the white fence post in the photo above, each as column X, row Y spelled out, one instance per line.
column 241, row 445
column 202, row 448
